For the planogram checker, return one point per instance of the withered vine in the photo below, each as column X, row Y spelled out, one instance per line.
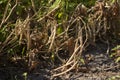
column 55, row 30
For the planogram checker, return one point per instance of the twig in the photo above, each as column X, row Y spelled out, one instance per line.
column 5, row 13
column 52, row 37
column 33, row 5
column 65, row 71
column 117, row 66
column 48, row 14
column 63, row 66
column 11, row 11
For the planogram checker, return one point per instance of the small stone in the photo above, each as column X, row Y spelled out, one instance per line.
column 93, row 70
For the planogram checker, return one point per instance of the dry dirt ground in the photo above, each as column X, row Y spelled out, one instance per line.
column 101, row 67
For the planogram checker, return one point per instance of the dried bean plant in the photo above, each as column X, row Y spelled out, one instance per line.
column 38, row 33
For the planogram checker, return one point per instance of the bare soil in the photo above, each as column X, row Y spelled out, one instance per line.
column 100, row 67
